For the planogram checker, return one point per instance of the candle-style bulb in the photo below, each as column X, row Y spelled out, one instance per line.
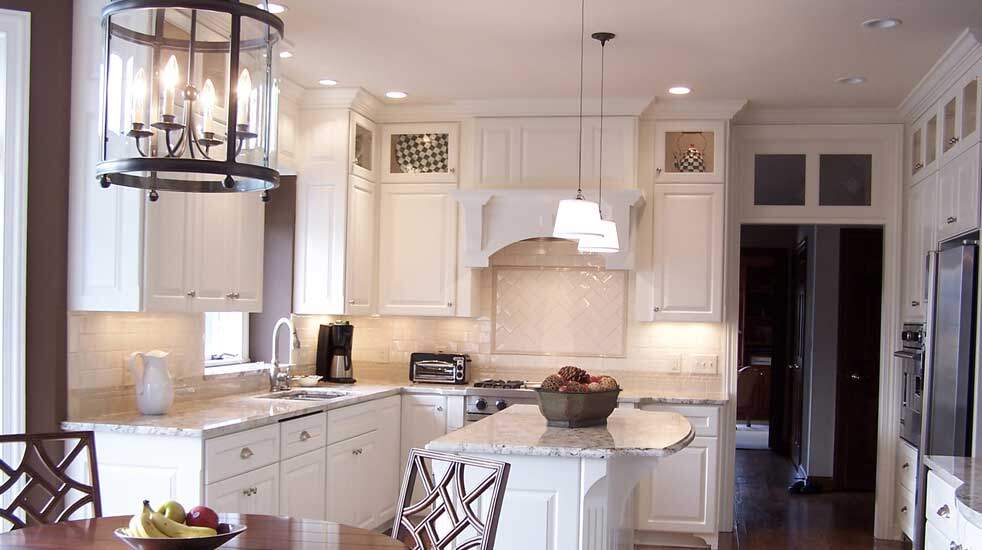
column 207, row 101
column 169, row 79
column 244, row 92
column 138, row 96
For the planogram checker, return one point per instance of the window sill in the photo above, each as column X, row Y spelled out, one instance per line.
column 215, row 369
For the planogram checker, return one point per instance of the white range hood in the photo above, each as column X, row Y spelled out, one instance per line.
column 496, row 218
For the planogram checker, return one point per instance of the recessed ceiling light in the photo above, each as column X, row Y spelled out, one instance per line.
column 396, row 95
column 327, row 82
column 882, row 23
column 286, row 54
column 851, row 79
column 271, row 7
column 679, row 90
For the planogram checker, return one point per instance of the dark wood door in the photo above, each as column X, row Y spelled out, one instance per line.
column 797, row 341
column 858, row 357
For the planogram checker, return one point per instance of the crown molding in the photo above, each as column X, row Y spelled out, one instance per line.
column 290, row 89
column 957, row 59
column 819, row 115
column 356, row 99
column 693, row 109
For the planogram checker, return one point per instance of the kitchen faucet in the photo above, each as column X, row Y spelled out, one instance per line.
column 279, row 375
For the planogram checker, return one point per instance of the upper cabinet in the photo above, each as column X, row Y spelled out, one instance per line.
column 534, row 152
column 960, row 116
column 925, row 145
column 958, row 195
column 419, row 153
column 362, row 149
column 690, row 152
column 920, row 231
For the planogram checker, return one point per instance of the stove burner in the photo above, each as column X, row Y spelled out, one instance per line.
column 504, row 384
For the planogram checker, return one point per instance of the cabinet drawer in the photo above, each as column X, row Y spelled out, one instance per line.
column 356, row 420
column 940, row 509
column 905, row 511
column 907, row 465
column 303, row 434
column 704, row 419
column 238, row 453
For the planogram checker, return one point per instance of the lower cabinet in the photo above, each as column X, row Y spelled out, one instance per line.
column 303, row 484
column 424, row 418
column 254, row 492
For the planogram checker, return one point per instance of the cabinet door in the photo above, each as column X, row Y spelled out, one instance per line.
column 166, row 244
column 960, row 111
column 681, row 495
column 228, row 252
column 348, row 500
column 417, row 250
column 424, row 418
column 935, row 539
column 959, row 195
column 361, row 147
column 303, row 485
column 318, row 276
column 249, row 219
column 254, row 492
column 690, row 152
column 360, row 266
column 415, row 153
column 920, row 236
column 385, row 467
column 687, row 261
column 925, row 145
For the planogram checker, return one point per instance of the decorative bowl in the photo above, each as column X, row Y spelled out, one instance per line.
column 576, row 410
column 307, row 381
column 226, row 532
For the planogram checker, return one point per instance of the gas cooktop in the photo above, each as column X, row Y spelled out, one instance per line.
column 503, row 384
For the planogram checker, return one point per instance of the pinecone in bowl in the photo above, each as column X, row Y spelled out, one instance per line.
column 553, row 382
column 574, row 374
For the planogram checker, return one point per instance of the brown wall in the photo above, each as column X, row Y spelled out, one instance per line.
column 47, row 209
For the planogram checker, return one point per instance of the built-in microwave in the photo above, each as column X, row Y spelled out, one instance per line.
column 912, row 382
column 439, row 368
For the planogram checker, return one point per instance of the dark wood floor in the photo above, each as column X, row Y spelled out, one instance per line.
column 767, row 517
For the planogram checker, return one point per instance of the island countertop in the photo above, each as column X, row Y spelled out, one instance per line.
column 964, row 473
column 522, row 430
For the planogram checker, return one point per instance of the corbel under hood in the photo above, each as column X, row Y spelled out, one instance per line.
column 496, row 218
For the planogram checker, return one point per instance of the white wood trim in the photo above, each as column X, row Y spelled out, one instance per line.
column 15, row 32
column 946, row 71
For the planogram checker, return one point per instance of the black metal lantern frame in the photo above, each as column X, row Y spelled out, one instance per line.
column 173, row 152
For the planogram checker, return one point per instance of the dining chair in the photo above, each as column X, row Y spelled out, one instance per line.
column 50, row 493
column 452, row 487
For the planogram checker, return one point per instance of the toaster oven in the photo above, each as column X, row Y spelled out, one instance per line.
column 439, row 368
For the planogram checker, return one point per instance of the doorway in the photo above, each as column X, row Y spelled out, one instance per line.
column 808, row 378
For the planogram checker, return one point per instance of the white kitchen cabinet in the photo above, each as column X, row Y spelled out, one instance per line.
column 690, row 151
column 920, row 236
column 925, row 145
column 958, row 195
column 386, row 469
column 935, row 539
column 533, row 152
column 303, row 485
column 419, row 153
column 348, row 476
column 687, row 259
column 336, row 215
column 254, row 492
column 417, row 249
column 960, row 117
column 203, row 252
column 424, row 418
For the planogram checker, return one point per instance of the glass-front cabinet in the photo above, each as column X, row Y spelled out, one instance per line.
column 419, row 153
column 689, row 152
column 960, row 112
column 361, row 148
column 924, row 149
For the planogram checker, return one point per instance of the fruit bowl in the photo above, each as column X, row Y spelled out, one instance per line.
column 576, row 410
column 226, row 532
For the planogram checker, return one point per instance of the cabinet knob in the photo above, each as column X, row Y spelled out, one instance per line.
column 230, row 295
column 449, row 304
column 246, row 453
column 657, row 309
column 903, row 509
column 944, row 512
column 914, row 303
column 304, row 435
column 453, row 170
column 951, row 220
column 658, row 170
column 952, row 140
column 351, row 302
column 906, row 466
column 439, row 409
column 246, row 492
column 191, row 294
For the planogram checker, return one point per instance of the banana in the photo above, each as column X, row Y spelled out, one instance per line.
column 141, row 526
column 177, row 530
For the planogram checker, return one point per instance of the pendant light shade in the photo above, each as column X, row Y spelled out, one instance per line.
column 606, row 242
column 576, row 219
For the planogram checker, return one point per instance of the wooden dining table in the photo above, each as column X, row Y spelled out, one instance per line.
column 263, row 533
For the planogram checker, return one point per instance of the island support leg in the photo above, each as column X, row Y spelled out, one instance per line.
column 608, row 484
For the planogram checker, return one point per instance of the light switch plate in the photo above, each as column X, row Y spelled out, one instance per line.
column 702, row 364
column 667, row 362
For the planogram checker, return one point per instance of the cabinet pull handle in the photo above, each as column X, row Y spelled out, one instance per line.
column 245, row 453
column 657, row 309
column 952, row 140
column 944, row 511
column 230, row 295
column 191, row 293
column 304, row 435
column 439, row 409
column 951, row 219
column 658, row 170
column 914, row 303
column 903, row 509
column 449, row 304
column 351, row 302
column 246, row 492
column 905, row 466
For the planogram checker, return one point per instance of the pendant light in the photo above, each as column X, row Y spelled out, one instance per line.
column 578, row 218
column 607, row 241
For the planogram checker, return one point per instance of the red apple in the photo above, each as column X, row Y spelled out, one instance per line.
column 202, row 516
column 594, row 378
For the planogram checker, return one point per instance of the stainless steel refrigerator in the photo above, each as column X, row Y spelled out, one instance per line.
column 949, row 373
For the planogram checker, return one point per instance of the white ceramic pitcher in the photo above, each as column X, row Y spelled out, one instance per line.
column 154, row 389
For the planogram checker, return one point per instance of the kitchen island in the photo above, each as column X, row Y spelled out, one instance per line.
column 569, row 488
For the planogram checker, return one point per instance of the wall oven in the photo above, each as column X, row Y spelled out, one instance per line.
column 911, row 356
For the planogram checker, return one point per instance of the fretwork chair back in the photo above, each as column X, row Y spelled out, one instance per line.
column 43, row 485
column 459, row 504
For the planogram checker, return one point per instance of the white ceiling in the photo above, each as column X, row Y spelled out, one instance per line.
column 775, row 53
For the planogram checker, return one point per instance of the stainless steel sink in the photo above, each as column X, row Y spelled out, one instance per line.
column 305, row 395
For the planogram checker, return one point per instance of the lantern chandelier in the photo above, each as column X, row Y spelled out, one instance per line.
column 188, row 96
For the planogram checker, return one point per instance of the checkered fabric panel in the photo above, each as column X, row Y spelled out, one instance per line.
column 423, row 153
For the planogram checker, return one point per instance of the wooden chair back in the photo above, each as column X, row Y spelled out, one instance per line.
column 49, row 494
column 460, row 504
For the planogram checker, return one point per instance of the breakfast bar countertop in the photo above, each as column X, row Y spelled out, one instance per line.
column 522, row 430
column 964, row 473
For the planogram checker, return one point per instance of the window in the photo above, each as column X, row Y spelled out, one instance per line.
column 226, row 338
column 779, row 180
column 845, row 180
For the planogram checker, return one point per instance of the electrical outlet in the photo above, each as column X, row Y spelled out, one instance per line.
column 667, row 362
column 701, row 364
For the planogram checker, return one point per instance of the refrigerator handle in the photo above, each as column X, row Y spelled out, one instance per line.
column 927, row 276
column 926, row 401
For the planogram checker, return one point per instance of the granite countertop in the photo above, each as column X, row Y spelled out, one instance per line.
column 208, row 418
column 964, row 473
column 521, row 430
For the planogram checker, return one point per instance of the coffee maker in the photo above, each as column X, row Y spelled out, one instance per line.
column 334, row 352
